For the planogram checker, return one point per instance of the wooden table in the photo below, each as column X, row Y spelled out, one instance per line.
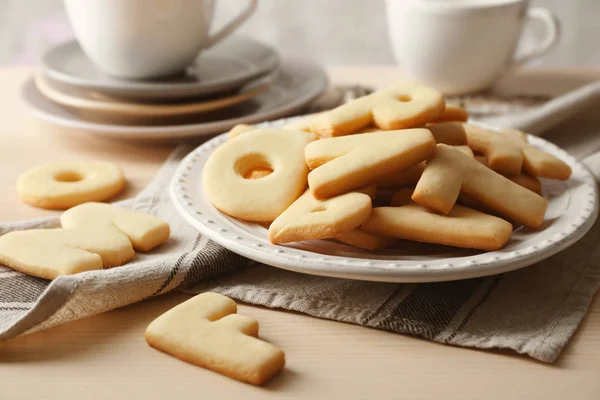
column 106, row 357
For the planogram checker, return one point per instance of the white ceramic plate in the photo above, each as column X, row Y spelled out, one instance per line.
column 572, row 209
column 102, row 107
column 227, row 66
column 296, row 84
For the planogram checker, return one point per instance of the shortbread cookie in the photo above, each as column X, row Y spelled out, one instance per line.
column 404, row 105
column 530, row 182
column 410, row 176
column 93, row 236
column 369, row 190
column 450, row 172
column 364, row 240
column 461, row 227
column 342, row 164
column 399, row 179
column 507, row 152
column 453, row 114
column 207, row 331
column 239, row 129
column 260, row 200
column 537, row 162
column 62, row 185
column 311, row 219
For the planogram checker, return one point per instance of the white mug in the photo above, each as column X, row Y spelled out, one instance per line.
column 140, row 39
column 463, row 46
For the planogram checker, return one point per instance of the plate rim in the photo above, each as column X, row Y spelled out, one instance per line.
column 183, row 131
column 405, row 271
column 147, row 110
column 158, row 90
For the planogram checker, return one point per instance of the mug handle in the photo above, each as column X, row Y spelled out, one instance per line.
column 232, row 25
column 552, row 25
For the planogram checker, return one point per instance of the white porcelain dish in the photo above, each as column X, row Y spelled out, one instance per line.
column 573, row 208
column 296, row 84
column 227, row 66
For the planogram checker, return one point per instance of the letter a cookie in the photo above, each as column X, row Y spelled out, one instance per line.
column 311, row 219
column 206, row 331
column 404, row 105
column 451, row 172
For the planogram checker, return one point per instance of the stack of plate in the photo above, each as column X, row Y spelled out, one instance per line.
column 238, row 81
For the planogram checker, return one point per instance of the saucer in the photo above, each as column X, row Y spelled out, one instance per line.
column 297, row 83
column 572, row 210
column 224, row 67
column 98, row 106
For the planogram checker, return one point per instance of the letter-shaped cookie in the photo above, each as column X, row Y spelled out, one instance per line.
column 404, row 105
column 364, row 240
column 462, row 227
column 453, row 114
column 206, row 331
column 228, row 168
column 450, row 172
column 507, row 152
column 311, row 219
column 530, row 182
column 94, row 236
column 342, row 164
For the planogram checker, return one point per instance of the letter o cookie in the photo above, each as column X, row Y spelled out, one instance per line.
column 59, row 186
column 261, row 199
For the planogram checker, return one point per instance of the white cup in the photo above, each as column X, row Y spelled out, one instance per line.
column 139, row 39
column 463, row 46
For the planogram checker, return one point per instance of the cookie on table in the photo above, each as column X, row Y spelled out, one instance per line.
column 207, row 331
column 401, row 106
column 62, row 185
column 93, row 236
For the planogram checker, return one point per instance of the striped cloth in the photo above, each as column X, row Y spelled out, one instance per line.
column 533, row 311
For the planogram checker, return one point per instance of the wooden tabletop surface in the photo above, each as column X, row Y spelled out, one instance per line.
column 106, row 357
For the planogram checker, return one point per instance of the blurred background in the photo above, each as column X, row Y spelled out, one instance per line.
column 334, row 32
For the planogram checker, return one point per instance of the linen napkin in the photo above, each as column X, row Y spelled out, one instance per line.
column 533, row 311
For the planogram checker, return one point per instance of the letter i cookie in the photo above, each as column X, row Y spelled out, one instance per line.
column 461, row 227
column 206, row 331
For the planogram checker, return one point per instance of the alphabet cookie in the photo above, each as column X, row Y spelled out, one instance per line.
column 277, row 151
column 310, row 219
column 401, row 106
column 93, row 236
column 461, row 227
column 507, row 152
column 59, row 186
column 530, row 182
column 364, row 240
column 207, row 331
column 450, row 172
column 453, row 113
column 239, row 129
column 342, row 164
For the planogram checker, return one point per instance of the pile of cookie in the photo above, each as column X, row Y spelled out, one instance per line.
column 396, row 164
